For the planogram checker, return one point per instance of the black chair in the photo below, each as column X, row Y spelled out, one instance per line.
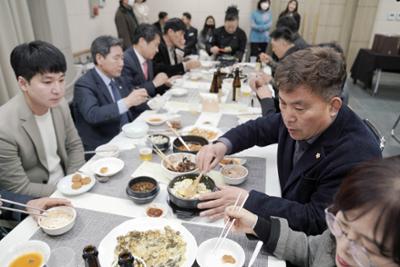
column 393, row 128
column 379, row 137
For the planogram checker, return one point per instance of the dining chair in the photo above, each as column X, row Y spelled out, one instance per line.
column 379, row 137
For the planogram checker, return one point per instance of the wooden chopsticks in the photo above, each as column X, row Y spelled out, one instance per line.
column 178, row 135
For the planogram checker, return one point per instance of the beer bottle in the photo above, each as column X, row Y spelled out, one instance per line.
column 125, row 259
column 258, row 63
column 214, row 84
column 90, row 256
column 219, row 76
column 236, row 85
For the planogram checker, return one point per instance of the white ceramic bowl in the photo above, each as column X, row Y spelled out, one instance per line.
column 136, row 129
column 59, row 220
column 156, row 103
column 155, row 119
column 107, row 150
column 24, row 248
column 178, row 92
column 113, row 165
column 234, row 174
column 175, row 158
column 207, row 257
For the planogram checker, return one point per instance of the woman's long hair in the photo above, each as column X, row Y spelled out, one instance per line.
column 205, row 29
column 286, row 11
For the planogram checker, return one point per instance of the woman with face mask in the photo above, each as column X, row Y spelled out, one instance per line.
column 363, row 223
column 207, row 32
column 261, row 21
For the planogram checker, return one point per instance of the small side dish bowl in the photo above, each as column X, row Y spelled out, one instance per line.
column 105, row 151
column 136, row 129
column 36, row 252
column 194, row 142
column 229, row 254
column 234, row 174
column 58, row 221
column 180, row 160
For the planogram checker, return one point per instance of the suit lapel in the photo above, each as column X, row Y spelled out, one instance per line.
column 101, row 86
column 150, row 70
column 308, row 160
column 32, row 130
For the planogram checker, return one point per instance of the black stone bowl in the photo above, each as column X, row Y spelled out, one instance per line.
column 193, row 139
column 164, row 146
column 189, row 203
column 142, row 197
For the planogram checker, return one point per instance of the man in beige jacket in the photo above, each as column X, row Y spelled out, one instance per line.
column 38, row 140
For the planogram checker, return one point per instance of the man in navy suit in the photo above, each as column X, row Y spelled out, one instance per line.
column 319, row 141
column 138, row 65
column 103, row 102
column 167, row 60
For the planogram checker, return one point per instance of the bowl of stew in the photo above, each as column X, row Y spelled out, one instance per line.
column 194, row 142
column 142, row 189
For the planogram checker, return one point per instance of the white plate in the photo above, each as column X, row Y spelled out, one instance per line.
column 178, row 92
column 114, row 165
column 186, row 131
column 109, row 242
column 207, row 256
column 26, row 247
column 155, row 119
column 64, row 185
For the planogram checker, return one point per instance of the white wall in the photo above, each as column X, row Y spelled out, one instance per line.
column 382, row 25
column 83, row 29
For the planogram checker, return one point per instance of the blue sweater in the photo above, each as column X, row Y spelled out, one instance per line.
column 261, row 22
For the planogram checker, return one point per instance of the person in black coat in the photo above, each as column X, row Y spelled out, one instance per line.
column 138, row 68
column 162, row 19
column 291, row 11
column 319, row 141
column 166, row 60
column 229, row 39
column 126, row 23
column 190, row 35
column 103, row 102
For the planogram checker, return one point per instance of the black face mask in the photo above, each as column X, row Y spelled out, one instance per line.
column 210, row 26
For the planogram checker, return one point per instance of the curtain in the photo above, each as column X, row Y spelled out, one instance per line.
column 16, row 29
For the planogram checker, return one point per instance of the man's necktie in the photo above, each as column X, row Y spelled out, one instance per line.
column 117, row 96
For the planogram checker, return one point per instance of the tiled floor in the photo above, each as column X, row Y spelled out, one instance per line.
column 382, row 110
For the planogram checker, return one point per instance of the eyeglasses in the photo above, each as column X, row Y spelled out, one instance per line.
column 359, row 253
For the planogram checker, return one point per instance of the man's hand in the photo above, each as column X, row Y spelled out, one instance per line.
column 265, row 58
column 192, row 64
column 259, row 85
column 216, row 202
column 136, row 97
column 214, row 50
column 160, row 79
column 46, row 203
column 209, row 156
column 245, row 220
column 171, row 80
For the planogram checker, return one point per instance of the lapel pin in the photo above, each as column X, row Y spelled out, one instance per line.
column 317, row 156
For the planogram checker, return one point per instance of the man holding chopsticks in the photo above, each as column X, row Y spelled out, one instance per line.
column 15, row 212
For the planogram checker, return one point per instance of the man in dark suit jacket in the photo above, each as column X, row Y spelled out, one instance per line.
column 138, row 65
column 319, row 141
column 166, row 59
column 162, row 19
column 190, row 35
column 103, row 102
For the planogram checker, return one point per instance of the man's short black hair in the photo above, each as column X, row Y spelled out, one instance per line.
column 174, row 24
column 282, row 33
column 288, row 22
column 29, row 59
column 162, row 15
column 146, row 31
column 102, row 45
column 187, row 15
column 232, row 13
